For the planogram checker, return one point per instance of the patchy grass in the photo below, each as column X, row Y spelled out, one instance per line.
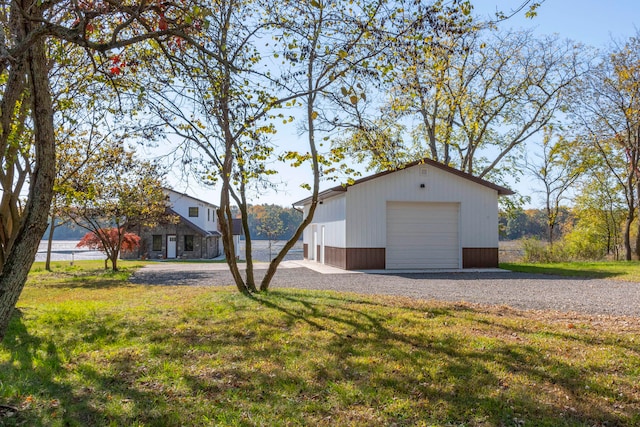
column 620, row 270
column 87, row 348
column 85, row 273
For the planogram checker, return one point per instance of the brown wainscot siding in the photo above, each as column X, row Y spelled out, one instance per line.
column 336, row 257
column 365, row 259
column 351, row 258
column 479, row 257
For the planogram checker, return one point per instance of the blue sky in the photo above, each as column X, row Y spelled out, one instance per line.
column 591, row 22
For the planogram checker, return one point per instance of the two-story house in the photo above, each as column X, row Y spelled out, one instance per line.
column 193, row 234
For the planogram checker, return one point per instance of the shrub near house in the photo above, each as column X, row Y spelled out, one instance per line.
column 111, row 242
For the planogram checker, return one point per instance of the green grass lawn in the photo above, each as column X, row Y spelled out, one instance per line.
column 620, row 270
column 89, row 349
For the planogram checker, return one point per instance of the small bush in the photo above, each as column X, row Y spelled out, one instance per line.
column 586, row 244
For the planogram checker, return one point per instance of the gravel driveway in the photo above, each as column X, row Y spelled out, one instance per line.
column 517, row 290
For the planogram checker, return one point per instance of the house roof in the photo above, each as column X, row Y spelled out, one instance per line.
column 502, row 191
column 190, row 197
column 194, row 227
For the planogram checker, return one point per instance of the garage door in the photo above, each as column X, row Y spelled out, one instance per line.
column 422, row 235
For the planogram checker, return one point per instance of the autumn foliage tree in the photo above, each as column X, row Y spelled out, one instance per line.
column 82, row 99
column 607, row 110
column 104, row 29
column 258, row 64
column 118, row 192
column 269, row 221
column 111, row 241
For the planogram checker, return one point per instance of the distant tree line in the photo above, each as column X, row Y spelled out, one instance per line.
column 272, row 222
column 580, row 232
column 66, row 232
column 532, row 224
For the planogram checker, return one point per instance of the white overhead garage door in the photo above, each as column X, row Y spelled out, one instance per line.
column 422, row 235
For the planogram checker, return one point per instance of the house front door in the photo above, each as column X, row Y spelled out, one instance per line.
column 172, row 244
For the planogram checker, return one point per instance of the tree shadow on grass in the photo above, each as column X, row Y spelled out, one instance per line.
column 504, row 382
column 29, row 376
column 308, row 358
column 97, row 279
column 49, row 387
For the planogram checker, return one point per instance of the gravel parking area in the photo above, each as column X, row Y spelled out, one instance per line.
column 517, row 290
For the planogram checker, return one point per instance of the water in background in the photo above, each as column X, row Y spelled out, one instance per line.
column 66, row 250
column 260, row 250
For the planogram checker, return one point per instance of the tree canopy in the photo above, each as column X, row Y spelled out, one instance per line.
column 34, row 36
column 116, row 192
column 385, row 81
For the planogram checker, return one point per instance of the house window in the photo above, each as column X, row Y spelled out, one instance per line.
column 157, row 242
column 193, row 212
column 208, row 214
column 188, row 243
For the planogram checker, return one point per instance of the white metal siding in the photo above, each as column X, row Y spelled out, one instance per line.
column 181, row 203
column 367, row 215
column 422, row 235
column 330, row 215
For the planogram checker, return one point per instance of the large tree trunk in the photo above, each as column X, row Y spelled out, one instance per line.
column 34, row 221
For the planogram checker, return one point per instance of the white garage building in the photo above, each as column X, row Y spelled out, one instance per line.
column 423, row 216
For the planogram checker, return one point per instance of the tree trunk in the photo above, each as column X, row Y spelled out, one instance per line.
column 14, row 93
column 244, row 218
column 114, row 262
column 638, row 225
column 627, row 236
column 52, row 227
column 34, row 221
column 273, row 265
column 225, row 216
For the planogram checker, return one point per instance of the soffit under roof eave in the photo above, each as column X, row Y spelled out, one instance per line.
column 324, row 195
